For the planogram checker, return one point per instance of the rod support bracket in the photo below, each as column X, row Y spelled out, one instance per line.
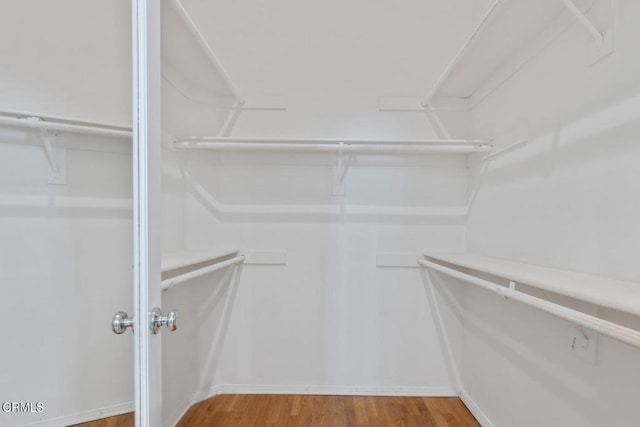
column 56, row 156
column 340, row 172
column 603, row 12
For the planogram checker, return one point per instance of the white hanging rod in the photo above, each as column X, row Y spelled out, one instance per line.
column 621, row 333
column 428, row 141
column 582, row 19
column 337, row 147
column 462, row 52
column 208, row 51
column 169, row 283
column 48, row 123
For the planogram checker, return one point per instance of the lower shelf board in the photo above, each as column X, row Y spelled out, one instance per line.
column 241, row 410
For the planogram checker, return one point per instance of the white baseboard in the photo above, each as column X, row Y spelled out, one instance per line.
column 82, row 417
column 475, row 410
column 333, row 390
column 314, row 389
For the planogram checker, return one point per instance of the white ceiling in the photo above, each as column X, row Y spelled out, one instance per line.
column 335, row 47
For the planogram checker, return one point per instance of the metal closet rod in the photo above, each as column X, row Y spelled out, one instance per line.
column 228, row 143
column 618, row 332
column 427, row 141
column 338, row 145
column 51, row 123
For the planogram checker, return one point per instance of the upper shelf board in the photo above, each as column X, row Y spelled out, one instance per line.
column 185, row 62
column 511, row 29
column 187, row 259
column 601, row 291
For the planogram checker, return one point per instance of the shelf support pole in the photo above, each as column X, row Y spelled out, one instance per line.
column 436, row 122
column 232, row 118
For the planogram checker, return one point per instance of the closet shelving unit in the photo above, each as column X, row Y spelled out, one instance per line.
column 180, row 267
column 617, row 295
column 337, row 145
column 176, row 267
column 490, row 55
column 49, row 126
column 488, row 58
column 341, row 148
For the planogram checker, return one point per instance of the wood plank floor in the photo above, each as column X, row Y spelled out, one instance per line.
column 124, row 420
column 235, row 410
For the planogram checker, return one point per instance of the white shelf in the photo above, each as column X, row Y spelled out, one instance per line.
column 512, row 33
column 187, row 59
column 615, row 294
column 180, row 267
column 185, row 259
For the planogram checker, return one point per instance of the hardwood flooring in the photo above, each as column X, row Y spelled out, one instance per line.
column 327, row 411
column 234, row 410
column 124, row 420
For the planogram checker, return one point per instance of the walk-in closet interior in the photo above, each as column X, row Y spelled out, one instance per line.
column 418, row 198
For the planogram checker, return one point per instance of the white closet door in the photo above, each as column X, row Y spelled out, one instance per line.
column 147, row 222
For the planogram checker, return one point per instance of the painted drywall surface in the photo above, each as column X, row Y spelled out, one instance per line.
column 334, row 48
column 568, row 199
column 67, row 58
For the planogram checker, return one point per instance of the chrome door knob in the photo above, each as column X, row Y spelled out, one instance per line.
column 172, row 320
column 121, row 322
column 157, row 320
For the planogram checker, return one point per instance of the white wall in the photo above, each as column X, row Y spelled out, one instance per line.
column 67, row 58
column 66, row 256
column 356, row 48
column 568, row 200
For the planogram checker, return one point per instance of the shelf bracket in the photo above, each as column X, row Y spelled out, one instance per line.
column 584, row 20
column 435, row 120
column 340, row 172
column 56, row 157
column 601, row 44
column 232, row 118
